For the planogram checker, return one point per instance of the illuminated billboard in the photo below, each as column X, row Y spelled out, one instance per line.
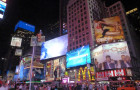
column 112, row 56
column 17, row 70
column 18, row 52
column 16, row 41
column 2, row 9
column 108, row 30
column 77, row 57
column 54, row 48
column 25, row 26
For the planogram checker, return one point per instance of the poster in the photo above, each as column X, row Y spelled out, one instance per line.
column 108, row 30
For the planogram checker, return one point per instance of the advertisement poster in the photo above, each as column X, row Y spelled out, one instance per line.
column 108, row 29
column 62, row 66
column 33, row 41
column 77, row 57
column 16, row 41
column 18, row 52
column 54, row 48
column 112, row 56
column 38, row 73
column 48, row 69
column 26, row 74
column 56, row 67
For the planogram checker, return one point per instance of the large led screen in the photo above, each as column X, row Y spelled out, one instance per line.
column 112, row 56
column 54, row 48
column 2, row 8
column 108, row 29
column 77, row 57
column 16, row 41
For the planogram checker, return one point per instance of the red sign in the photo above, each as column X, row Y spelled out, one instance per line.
column 111, row 73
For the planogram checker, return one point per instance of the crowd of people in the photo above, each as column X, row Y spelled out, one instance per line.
column 79, row 86
column 40, row 86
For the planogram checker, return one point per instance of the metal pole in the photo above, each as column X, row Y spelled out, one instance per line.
column 31, row 68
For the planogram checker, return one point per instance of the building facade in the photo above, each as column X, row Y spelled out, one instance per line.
column 22, row 31
column 63, row 16
column 80, row 16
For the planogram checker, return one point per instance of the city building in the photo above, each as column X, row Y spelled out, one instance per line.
column 117, row 9
column 63, row 16
column 80, row 16
column 51, row 30
column 20, row 41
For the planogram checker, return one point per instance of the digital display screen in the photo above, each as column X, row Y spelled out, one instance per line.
column 54, row 48
column 2, row 8
column 77, row 57
column 112, row 56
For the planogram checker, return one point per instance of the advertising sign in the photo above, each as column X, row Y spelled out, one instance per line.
column 108, row 29
column 54, row 48
column 77, row 57
column 48, row 69
column 112, row 56
column 33, row 41
column 38, row 73
column 62, row 66
column 18, row 52
column 17, row 70
column 25, row 26
column 2, row 8
column 16, row 41
column 56, row 67
column 111, row 73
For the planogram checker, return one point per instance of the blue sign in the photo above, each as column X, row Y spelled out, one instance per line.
column 77, row 57
column 25, row 26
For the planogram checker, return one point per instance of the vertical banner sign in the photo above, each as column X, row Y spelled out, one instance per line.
column 33, row 41
column 18, row 52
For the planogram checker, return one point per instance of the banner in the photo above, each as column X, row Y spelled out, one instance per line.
column 112, row 73
column 18, row 52
column 108, row 29
column 112, row 56
column 33, row 41
column 16, row 41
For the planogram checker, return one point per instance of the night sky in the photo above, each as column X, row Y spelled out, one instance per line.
column 36, row 12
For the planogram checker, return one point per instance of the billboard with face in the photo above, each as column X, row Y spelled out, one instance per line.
column 108, row 29
column 112, row 56
column 77, row 57
column 54, row 48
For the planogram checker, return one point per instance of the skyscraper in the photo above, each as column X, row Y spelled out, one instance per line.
column 117, row 9
column 23, row 31
column 63, row 16
column 80, row 16
column 51, row 30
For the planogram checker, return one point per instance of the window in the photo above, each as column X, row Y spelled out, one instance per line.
column 76, row 42
column 76, row 37
column 80, row 40
column 73, row 43
column 82, row 29
column 83, row 39
column 85, row 22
